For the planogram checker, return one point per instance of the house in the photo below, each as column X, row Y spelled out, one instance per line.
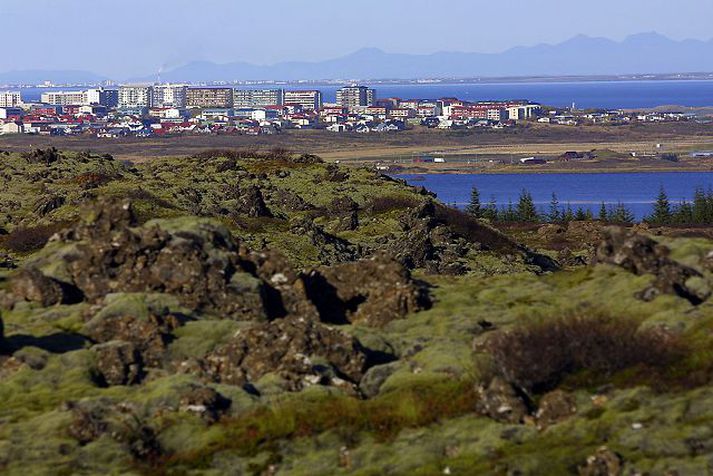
column 10, row 128
column 532, row 161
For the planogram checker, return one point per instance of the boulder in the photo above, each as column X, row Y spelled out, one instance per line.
column 602, row 463
column 330, row 249
column 640, row 255
column 205, row 402
column 372, row 292
column 30, row 284
column 300, row 351
column 149, row 337
column 118, row 363
column 554, row 407
column 500, row 401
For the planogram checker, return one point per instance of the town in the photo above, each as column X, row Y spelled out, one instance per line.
column 149, row 110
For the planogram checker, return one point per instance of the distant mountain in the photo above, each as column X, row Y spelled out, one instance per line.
column 581, row 55
column 578, row 56
column 37, row 76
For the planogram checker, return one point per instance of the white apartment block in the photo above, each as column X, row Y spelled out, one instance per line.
column 65, row 98
column 311, row 99
column 132, row 96
column 169, row 95
column 10, row 98
column 258, row 97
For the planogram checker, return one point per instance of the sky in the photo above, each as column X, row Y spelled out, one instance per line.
column 125, row 38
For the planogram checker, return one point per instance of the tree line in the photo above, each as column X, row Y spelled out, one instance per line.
column 699, row 211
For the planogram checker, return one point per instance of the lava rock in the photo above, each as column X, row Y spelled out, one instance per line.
column 500, row 401
column 118, row 363
column 640, row 255
column 373, row 292
column 290, row 348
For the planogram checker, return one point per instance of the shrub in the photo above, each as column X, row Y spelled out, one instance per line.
column 29, row 239
column 472, row 229
column 540, row 356
column 388, row 203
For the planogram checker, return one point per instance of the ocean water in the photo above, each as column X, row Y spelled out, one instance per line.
column 637, row 191
column 585, row 94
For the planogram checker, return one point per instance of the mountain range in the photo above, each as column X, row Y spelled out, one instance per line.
column 582, row 56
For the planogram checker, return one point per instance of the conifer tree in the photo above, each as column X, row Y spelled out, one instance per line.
column 603, row 215
column 526, row 210
column 662, row 209
column 554, row 215
column 474, row 207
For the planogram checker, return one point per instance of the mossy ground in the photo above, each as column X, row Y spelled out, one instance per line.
column 423, row 421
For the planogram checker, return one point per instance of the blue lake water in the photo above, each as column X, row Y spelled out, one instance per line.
column 586, row 94
column 636, row 190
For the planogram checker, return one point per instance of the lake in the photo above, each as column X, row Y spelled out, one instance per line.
column 636, row 190
column 586, row 94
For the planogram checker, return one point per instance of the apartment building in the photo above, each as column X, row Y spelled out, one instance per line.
column 65, row 98
column 135, row 96
column 354, row 95
column 245, row 98
column 103, row 97
column 169, row 95
column 10, row 98
column 308, row 99
column 209, row 98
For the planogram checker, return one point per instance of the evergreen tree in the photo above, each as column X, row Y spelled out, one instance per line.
column 526, row 210
column 683, row 214
column 491, row 210
column 554, row 215
column 474, row 208
column 662, row 210
column 621, row 214
column 568, row 214
column 603, row 215
column 580, row 215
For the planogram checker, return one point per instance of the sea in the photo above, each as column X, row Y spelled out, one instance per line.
column 584, row 94
column 637, row 191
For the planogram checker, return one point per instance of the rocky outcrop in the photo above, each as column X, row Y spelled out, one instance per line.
column 196, row 260
column 372, row 292
column 300, row 351
column 428, row 243
column 640, row 255
column 251, row 202
column 330, row 249
column 205, row 402
column 150, row 336
column 117, row 363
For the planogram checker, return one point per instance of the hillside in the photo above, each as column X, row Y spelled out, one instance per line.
column 238, row 312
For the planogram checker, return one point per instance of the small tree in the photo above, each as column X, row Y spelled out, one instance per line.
column 526, row 210
column 581, row 215
column 554, row 215
column 662, row 209
column 474, row 208
column 491, row 210
column 568, row 214
column 603, row 215
column 621, row 214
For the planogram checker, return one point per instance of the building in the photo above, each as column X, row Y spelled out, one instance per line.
column 10, row 99
column 350, row 96
column 214, row 98
column 65, row 98
column 10, row 112
column 245, row 98
column 309, row 99
column 10, row 128
column 169, row 95
column 135, row 96
column 103, row 97
column 519, row 112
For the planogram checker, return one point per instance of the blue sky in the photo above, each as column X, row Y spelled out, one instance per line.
column 122, row 38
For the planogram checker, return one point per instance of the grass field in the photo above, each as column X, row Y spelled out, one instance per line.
column 474, row 150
